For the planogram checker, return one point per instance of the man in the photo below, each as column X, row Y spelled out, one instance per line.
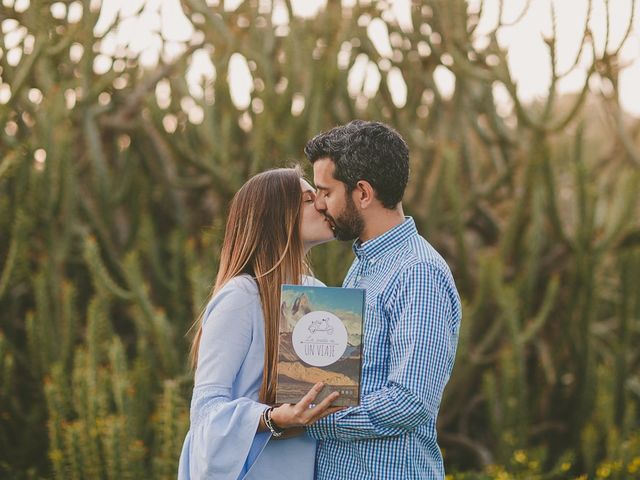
column 412, row 311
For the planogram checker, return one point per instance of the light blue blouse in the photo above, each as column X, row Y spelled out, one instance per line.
column 222, row 443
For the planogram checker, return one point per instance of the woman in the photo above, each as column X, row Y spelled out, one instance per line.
column 272, row 224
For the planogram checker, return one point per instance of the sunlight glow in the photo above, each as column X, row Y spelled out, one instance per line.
column 158, row 29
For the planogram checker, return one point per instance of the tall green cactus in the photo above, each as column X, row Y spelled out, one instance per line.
column 112, row 210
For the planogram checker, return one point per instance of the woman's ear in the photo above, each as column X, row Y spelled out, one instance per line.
column 363, row 194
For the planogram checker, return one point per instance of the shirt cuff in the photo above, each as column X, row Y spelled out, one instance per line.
column 323, row 429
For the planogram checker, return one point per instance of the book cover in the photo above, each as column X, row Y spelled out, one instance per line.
column 320, row 340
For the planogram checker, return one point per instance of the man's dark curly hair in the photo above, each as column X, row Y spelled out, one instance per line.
column 370, row 151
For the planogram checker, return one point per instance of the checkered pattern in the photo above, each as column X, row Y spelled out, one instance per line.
column 410, row 336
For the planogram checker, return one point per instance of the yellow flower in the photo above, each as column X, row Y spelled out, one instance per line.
column 56, row 455
column 520, row 456
column 603, row 471
column 565, row 466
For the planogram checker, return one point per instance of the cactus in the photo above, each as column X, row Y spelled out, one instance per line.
column 112, row 210
column 171, row 426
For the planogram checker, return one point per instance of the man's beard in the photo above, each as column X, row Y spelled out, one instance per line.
column 349, row 225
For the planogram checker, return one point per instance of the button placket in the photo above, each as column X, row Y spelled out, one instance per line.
column 361, row 272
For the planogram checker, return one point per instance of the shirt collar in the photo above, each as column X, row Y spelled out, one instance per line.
column 389, row 240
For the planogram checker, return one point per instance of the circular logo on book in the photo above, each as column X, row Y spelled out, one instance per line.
column 319, row 338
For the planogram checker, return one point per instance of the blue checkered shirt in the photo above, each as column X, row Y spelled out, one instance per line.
column 412, row 318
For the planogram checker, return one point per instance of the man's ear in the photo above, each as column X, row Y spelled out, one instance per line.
column 363, row 195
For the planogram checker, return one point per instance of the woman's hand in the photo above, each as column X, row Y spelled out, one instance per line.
column 300, row 415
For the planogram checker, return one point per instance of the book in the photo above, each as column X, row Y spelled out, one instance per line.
column 320, row 339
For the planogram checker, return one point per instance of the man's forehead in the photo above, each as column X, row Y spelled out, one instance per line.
column 323, row 169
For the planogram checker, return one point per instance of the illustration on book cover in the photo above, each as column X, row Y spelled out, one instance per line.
column 320, row 340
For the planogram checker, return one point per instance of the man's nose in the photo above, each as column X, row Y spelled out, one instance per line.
column 320, row 204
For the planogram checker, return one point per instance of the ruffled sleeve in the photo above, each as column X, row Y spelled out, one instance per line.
column 312, row 281
column 223, row 428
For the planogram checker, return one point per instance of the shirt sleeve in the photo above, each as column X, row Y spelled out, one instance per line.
column 223, row 429
column 423, row 339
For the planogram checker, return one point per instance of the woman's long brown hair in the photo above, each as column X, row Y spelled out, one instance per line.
column 262, row 238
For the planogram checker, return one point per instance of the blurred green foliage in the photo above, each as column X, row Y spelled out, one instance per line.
column 112, row 209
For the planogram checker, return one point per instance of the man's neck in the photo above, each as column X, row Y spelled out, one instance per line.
column 381, row 222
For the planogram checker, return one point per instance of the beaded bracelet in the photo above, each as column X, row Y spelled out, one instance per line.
column 273, row 428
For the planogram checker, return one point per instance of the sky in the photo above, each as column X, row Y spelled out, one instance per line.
column 333, row 298
column 528, row 55
column 162, row 30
